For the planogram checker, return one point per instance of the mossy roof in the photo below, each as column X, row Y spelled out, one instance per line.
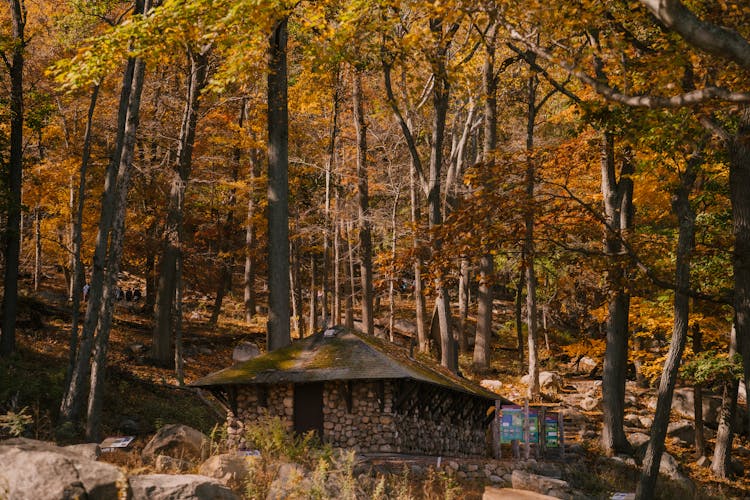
column 347, row 355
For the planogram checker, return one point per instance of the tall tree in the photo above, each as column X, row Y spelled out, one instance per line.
column 685, row 244
column 14, row 172
column 365, row 233
column 483, row 337
column 618, row 208
column 164, row 320
column 278, row 190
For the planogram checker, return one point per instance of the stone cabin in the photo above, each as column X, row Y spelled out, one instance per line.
column 359, row 392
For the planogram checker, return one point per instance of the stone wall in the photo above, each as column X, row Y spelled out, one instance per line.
column 364, row 427
column 279, row 403
column 450, row 438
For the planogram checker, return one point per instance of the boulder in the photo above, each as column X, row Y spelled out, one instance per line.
column 245, row 351
column 39, row 470
column 682, row 430
column 670, row 468
column 291, row 482
column 587, row 364
column 683, row 401
column 90, row 451
column 492, row 385
column 177, row 441
column 632, row 420
column 646, row 422
column 405, row 326
column 590, row 403
column 550, row 382
column 167, row 464
column 540, row 484
column 229, row 469
column 178, row 487
column 638, row 439
column 493, row 493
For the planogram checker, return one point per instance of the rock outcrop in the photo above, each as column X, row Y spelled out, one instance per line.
column 38, row 470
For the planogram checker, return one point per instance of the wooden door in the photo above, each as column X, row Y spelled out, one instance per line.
column 308, row 408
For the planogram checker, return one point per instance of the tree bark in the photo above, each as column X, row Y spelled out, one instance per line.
column 37, row 247
column 700, row 438
column 251, row 240
column 161, row 351
column 14, row 181
column 278, row 191
column 365, row 236
column 485, row 299
column 529, row 249
column 337, row 263
column 393, row 277
column 618, row 209
column 725, row 432
column 72, row 401
column 114, row 252
column 685, row 243
column 440, row 97
column 739, row 180
column 519, row 319
column 79, row 278
column 330, row 225
column 419, row 301
column 313, row 321
column 463, row 304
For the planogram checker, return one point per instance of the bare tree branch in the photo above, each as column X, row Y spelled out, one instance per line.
column 717, row 40
column 691, row 98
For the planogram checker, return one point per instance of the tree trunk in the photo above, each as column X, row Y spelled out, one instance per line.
column 149, row 267
column 419, row 301
column 14, row 181
column 295, row 284
column 519, row 320
column 178, row 351
column 485, row 299
column 161, row 351
column 700, row 438
column 739, row 180
column 330, row 225
column 352, row 284
column 618, row 209
column 251, row 240
column 114, row 252
column 365, row 237
column 393, row 278
column 529, row 249
column 278, row 191
column 463, row 305
column 72, row 401
column 725, row 432
column 337, row 262
column 37, row 247
column 685, row 243
column 313, row 322
column 440, row 97
column 79, row 278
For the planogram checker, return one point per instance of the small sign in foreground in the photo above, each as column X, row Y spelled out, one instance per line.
column 116, row 443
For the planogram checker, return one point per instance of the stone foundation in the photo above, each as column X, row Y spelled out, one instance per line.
column 369, row 425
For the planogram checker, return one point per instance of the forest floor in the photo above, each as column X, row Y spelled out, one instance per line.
column 141, row 397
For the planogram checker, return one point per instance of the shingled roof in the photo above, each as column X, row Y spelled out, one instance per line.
column 341, row 354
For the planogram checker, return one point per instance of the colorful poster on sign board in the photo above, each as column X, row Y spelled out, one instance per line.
column 511, row 425
column 551, row 431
